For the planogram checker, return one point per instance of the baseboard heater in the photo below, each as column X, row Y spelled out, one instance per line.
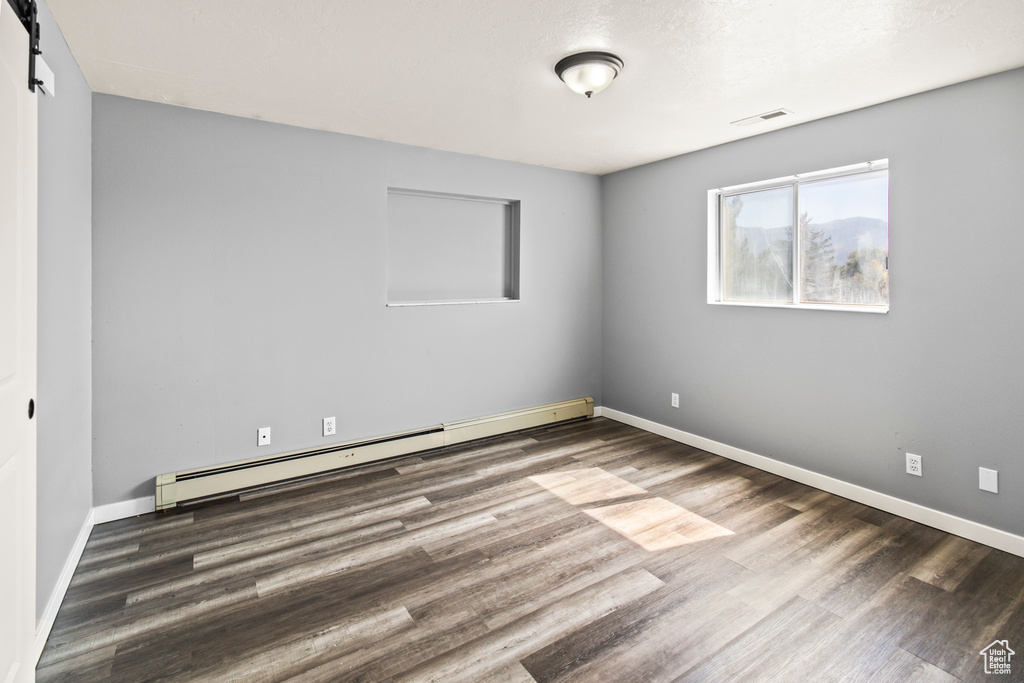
column 186, row 486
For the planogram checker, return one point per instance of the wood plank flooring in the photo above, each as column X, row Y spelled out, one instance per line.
column 590, row 551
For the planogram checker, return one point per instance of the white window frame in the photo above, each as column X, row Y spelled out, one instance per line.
column 716, row 269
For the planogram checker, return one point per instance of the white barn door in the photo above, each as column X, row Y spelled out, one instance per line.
column 17, row 353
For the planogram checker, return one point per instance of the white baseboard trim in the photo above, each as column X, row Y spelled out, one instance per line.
column 996, row 538
column 123, row 509
column 57, row 596
column 96, row 515
column 598, row 411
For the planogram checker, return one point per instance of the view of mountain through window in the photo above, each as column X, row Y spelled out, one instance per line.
column 844, row 237
column 806, row 240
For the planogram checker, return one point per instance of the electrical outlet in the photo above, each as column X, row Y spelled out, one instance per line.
column 675, row 400
column 914, row 465
column 263, row 436
column 329, row 426
column 988, row 480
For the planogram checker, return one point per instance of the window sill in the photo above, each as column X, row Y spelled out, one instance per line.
column 850, row 308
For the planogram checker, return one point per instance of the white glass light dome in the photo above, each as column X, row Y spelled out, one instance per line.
column 588, row 72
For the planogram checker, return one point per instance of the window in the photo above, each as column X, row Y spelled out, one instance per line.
column 447, row 248
column 815, row 240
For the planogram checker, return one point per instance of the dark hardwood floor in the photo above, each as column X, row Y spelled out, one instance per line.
column 591, row 551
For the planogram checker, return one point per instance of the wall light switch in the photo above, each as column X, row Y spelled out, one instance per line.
column 263, row 436
column 988, row 480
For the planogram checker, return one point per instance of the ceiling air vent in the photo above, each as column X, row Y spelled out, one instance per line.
column 760, row 118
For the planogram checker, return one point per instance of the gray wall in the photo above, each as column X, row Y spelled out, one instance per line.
column 240, row 282
column 843, row 394
column 64, row 481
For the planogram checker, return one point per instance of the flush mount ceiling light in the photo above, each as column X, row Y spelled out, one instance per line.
column 588, row 72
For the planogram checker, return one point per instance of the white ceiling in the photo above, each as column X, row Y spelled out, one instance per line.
column 476, row 76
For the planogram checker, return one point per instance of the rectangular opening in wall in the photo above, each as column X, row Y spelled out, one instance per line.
column 451, row 248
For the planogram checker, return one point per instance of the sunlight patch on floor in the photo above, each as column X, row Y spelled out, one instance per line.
column 656, row 523
column 651, row 523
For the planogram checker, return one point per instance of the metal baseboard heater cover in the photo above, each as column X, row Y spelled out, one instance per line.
column 176, row 488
